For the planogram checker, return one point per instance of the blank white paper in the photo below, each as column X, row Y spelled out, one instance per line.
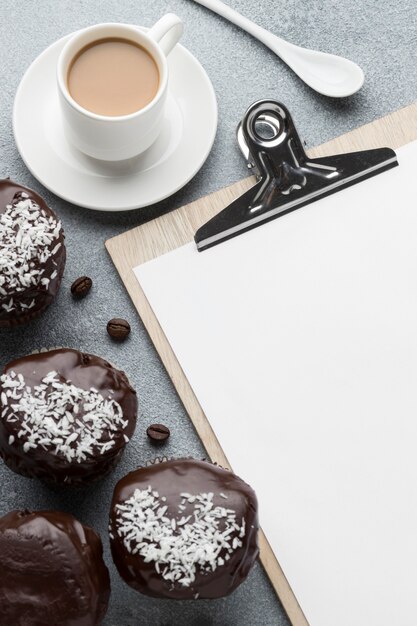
column 300, row 335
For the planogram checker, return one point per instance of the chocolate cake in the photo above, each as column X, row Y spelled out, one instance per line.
column 52, row 571
column 32, row 254
column 183, row 529
column 65, row 416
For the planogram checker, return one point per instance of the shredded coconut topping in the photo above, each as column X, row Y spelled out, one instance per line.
column 181, row 546
column 27, row 237
column 60, row 417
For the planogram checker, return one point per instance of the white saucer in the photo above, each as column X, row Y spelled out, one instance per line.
column 182, row 147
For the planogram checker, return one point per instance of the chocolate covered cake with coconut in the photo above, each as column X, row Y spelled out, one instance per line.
column 65, row 416
column 32, row 254
column 183, row 529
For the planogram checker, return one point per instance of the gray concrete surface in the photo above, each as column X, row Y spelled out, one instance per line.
column 380, row 36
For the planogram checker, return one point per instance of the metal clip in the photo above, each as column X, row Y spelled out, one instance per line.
column 286, row 178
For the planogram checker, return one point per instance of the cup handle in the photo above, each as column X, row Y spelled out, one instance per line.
column 167, row 32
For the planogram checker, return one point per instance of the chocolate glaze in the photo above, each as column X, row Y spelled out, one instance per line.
column 170, row 479
column 84, row 371
column 10, row 193
column 52, row 571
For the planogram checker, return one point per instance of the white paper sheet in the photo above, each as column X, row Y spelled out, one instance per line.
column 301, row 336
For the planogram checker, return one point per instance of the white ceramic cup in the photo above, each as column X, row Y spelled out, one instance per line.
column 114, row 138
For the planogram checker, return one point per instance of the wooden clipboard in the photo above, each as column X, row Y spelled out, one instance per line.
column 175, row 229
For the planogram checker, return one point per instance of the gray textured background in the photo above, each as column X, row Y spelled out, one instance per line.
column 380, row 36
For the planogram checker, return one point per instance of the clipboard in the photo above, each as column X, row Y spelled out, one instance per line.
column 175, row 229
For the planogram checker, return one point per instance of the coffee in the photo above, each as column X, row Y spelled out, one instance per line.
column 113, row 77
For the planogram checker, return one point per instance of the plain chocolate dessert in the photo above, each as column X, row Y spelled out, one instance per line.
column 183, row 529
column 65, row 416
column 32, row 254
column 52, row 571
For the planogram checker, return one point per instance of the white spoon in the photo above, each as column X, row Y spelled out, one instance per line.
column 328, row 74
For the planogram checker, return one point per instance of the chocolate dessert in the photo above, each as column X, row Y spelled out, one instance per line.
column 183, row 529
column 52, row 571
column 65, row 416
column 32, row 254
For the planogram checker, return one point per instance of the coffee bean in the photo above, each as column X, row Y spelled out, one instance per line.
column 118, row 328
column 158, row 432
column 81, row 286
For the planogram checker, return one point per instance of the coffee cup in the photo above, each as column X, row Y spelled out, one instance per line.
column 116, row 137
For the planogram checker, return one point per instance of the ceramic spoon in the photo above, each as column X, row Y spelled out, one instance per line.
column 328, row 74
